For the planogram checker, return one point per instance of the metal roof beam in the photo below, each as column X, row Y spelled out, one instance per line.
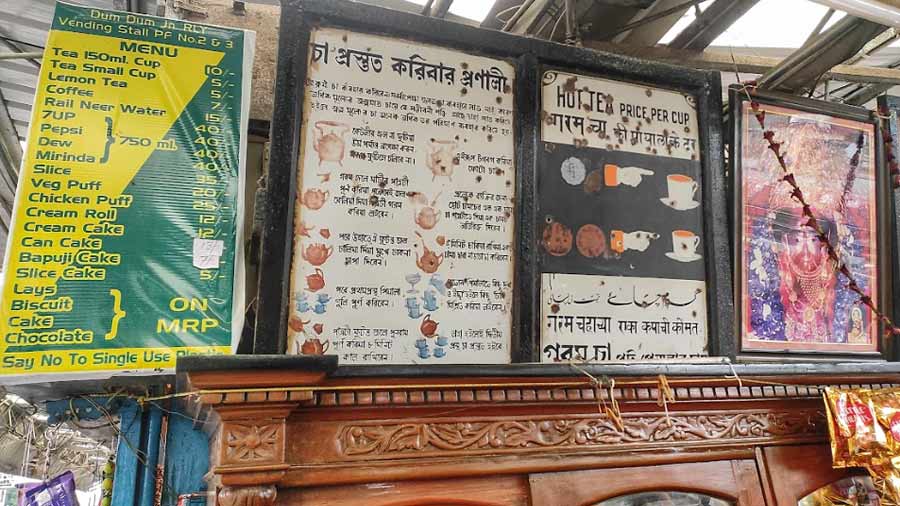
column 440, row 8
column 711, row 23
column 527, row 16
column 652, row 23
column 10, row 161
column 834, row 46
column 862, row 95
column 747, row 64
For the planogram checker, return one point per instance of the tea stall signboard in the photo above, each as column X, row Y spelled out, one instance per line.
column 125, row 248
column 403, row 226
column 622, row 244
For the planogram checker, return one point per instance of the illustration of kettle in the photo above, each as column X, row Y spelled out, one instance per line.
column 314, row 346
column 315, row 281
column 330, row 143
column 428, row 327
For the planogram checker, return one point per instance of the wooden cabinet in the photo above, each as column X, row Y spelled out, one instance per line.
column 795, row 471
column 796, row 475
column 308, row 440
column 717, row 483
column 491, row 491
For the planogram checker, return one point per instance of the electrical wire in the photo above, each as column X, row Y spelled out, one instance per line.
column 505, row 11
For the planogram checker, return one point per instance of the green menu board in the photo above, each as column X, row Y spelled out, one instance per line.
column 125, row 249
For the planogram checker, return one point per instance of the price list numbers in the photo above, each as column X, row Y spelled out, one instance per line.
column 213, row 159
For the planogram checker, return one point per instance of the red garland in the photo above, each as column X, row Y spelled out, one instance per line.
column 811, row 222
column 889, row 150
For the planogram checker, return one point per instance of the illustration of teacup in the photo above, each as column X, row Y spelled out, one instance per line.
column 421, row 343
column 438, row 283
column 302, row 305
column 439, row 352
column 323, row 298
column 319, row 309
column 423, row 352
column 685, row 244
column 681, row 191
column 441, row 341
column 430, row 301
column 412, row 305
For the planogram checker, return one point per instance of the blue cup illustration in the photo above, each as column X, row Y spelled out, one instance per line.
column 412, row 302
column 323, row 298
column 439, row 352
column 319, row 309
column 421, row 343
column 415, row 313
column 424, row 353
column 438, row 283
column 442, row 341
column 302, row 306
column 430, row 302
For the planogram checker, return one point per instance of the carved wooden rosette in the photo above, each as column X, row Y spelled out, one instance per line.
column 343, row 432
column 248, row 428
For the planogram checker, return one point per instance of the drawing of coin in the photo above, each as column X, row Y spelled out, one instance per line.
column 594, row 181
column 557, row 239
column 590, row 241
column 572, row 171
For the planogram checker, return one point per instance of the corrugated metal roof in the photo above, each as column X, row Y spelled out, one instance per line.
column 24, row 26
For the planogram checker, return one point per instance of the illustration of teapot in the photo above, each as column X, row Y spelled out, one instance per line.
column 313, row 346
column 314, row 198
column 428, row 327
column 315, row 281
column 442, row 157
column 428, row 216
column 429, row 261
column 317, row 254
column 330, row 143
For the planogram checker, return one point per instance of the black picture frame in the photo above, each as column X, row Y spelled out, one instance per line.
column 705, row 87
column 528, row 55
column 888, row 112
column 738, row 97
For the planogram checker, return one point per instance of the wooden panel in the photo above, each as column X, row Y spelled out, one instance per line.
column 735, row 481
column 795, row 471
column 486, row 491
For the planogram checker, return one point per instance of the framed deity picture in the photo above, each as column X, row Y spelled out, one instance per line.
column 792, row 296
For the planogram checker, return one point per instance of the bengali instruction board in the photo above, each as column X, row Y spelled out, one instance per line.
column 404, row 239
column 125, row 248
column 621, row 255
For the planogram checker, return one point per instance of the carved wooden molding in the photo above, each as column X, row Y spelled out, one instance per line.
column 247, row 496
column 368, row 397
column 423, row 438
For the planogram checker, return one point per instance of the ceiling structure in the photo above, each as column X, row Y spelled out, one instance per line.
column 845, row 58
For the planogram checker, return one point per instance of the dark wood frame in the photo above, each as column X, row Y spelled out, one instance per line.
column 737, row 97
column 299, row 17
column 312, row 433
column 889, row 105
